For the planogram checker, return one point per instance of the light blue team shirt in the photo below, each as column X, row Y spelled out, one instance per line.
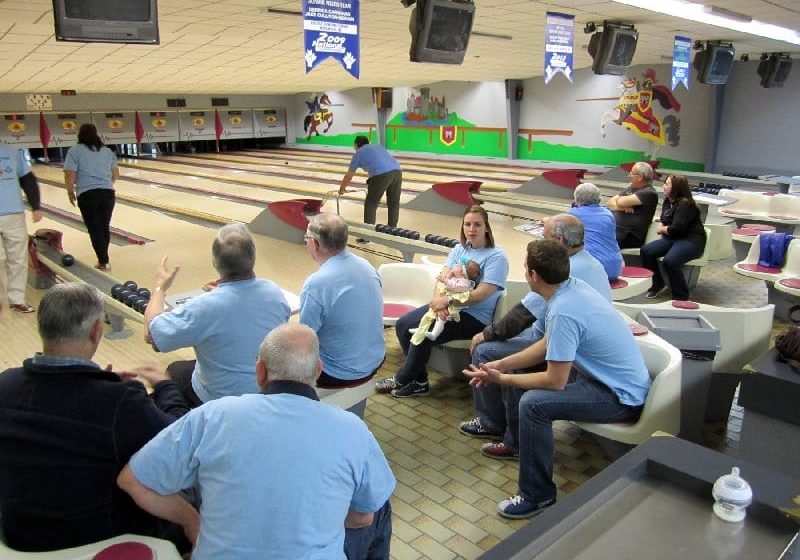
column 601, row 236
column 343, row 303
column 494, row 270
column 581, row 265
column 226, row 327
column 277, row 474
column 93, row 167
column 12, row 167
column 374, row 159
column 584, row 328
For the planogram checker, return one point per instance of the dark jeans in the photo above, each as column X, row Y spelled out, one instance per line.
column 676, row 253
column 97, row 206
column 181, row 373
column 389, row 183
column 413, row 369
column 371, row 543
column 497, row 406
column 584, row 399
column 629, row 239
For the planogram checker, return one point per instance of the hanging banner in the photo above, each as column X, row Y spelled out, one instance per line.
column 330, row 28
column 680, row 62
column 559, row 38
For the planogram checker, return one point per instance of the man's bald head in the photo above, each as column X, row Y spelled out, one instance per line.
column 566, row 229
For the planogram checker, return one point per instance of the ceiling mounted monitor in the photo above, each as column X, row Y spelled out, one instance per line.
column 440, row 30
column 106, row 21
column 713, row 64
column 774, row 70
column 612, row 49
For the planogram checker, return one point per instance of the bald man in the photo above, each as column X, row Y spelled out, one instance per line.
column 635, row 207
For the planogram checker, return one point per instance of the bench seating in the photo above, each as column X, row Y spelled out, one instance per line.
column 405, row 287
column 161, row 550
column 782, row 210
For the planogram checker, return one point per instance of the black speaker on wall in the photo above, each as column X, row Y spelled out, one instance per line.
column 176, row 102
column 385, row 101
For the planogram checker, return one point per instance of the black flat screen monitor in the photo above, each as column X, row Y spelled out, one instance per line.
column 613, row 48
column 440, row 31
column 106, row 21
column 774, row 71
column 714, row 63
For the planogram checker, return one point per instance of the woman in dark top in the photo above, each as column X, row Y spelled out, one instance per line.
column 683, row 238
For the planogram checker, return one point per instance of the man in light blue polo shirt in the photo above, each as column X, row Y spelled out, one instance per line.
column 496, row 407
column 224, row 325
column 601, row 229
column 343, row 303
column 385, row 176
column 15, row 173
column 594, row 372
column 281, row 474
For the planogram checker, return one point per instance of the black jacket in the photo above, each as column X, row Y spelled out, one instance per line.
column 65, row 434
column 683, row 219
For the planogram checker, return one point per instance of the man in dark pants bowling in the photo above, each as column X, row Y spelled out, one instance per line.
column 385, row 176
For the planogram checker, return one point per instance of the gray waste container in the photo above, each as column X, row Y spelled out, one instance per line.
column 698, row 341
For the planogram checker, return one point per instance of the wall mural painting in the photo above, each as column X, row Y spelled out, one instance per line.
column 319, row 113
column 634, row 111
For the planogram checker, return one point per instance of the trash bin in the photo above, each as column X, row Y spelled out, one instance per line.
column 698, row 340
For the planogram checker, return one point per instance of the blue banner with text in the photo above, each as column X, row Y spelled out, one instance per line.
column 559, row 35
column 330, row 29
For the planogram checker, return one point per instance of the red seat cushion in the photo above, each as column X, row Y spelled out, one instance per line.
column 758, row 268
column 618, row 283
column 126, row 551
column 732, row 211
column 686, row 304
column 638, row 330
column 746, row 231
column 636, row 272
column 396, row 310
column 791, row 283
column 759, row 227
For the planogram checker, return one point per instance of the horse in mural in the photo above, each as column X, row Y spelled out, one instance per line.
column 318, row 113
column 634, row 111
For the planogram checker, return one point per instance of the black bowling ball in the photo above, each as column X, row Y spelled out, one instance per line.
column 144, row 293
column 453, row 243
column 116, row 289
column 131, row 285
column 415, row 235
column 429, row 238
column 131, row 298
column 67, row 259
column 123, row 294
column 380, row 228
column 140, row 304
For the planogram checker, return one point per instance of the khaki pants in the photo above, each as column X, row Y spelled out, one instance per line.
column 13, row 259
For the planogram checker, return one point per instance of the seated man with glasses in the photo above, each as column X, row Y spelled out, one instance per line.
column 635, row 207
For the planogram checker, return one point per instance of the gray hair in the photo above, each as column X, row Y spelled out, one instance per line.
column 330, row 231
column 587, row 194
column 644, row 169
column 233, row 251
column 569, row 228
column 68, row 311
column 291, row 352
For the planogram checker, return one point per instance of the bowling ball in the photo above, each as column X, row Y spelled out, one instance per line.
column 130, row 299
column 429, row 238
column 453, row 243
column 414, row 235
column 123, row 294
column 116, row 289
column 144, row 293
column 140, row 304
column 67, row 259
column 401, row 232
column 131, row 285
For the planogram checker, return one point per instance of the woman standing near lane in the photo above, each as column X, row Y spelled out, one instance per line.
column 477, row 244
column 90, row 170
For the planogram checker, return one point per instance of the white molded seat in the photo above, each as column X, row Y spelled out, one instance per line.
column 405, row 287
column 753, row 255
column 162, row 550
column 662, row 408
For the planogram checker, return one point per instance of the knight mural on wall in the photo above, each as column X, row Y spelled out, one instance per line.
column 635, row 113
column 319, row 113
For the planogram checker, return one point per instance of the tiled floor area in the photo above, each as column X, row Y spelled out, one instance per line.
column 445, row 502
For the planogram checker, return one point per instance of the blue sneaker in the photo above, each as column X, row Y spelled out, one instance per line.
column 517, row 507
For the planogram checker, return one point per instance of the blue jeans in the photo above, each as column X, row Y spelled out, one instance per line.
column 497, row 406
column 676, row 253
column 372, row 542
column 584, row 399
column 413, row 369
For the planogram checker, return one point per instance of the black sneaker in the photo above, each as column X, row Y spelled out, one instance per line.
column 653, row 293
column 412, row 389
column 474, row 428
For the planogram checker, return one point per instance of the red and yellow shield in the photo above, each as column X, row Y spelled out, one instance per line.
column 645, row 100
column 448, row 135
